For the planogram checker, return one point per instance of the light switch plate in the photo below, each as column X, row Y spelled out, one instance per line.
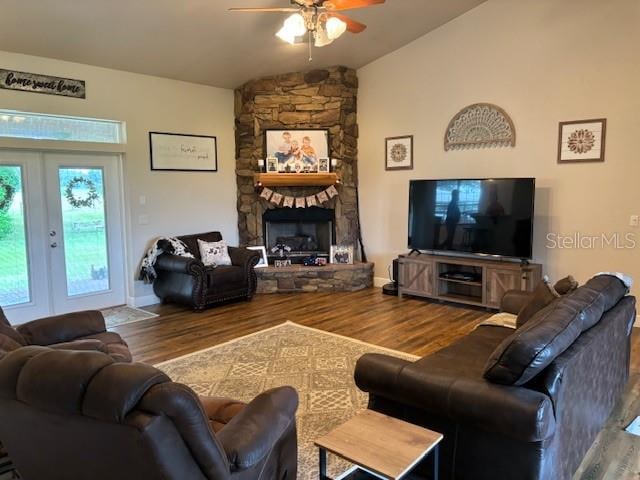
column 634, row 220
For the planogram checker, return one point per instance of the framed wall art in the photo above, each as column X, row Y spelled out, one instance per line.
column 183, row 153
column 297, row 150
column 582, row 141
column 399, row 153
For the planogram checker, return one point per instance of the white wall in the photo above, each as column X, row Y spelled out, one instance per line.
column 543, row 61
column 176, row 202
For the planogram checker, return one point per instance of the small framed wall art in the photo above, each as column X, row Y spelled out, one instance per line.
column 399, row 153
column 582, row 141
column 183, row 153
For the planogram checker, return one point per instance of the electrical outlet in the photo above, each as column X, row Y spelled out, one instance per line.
column 634, row 220
column 143, row 219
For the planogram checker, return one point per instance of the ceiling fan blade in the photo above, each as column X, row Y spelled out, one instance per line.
column 261, row 10
column 349, row 4
column 352, row 25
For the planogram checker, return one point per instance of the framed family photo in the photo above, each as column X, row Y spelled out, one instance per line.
column 297, row 151
column 582, row 141
column 183, row 153
column 399, row 153
column 263, row 263
column 341, row 254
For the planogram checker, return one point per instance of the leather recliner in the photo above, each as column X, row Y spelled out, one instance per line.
column 78, row 414
column 72, row 331
column 189, row 282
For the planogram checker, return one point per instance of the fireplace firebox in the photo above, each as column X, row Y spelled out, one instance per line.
column 306, row 231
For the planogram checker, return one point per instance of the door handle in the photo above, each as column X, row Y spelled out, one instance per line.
column 53, row 245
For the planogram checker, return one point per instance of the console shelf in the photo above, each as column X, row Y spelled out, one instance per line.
column 471, row 281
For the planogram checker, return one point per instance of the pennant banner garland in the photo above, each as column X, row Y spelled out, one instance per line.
column 266, row 193
column 299, row 202
column 276, row 198
column 322, row 197
column 331, row 191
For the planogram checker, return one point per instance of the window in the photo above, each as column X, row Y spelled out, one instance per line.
column 39, row 126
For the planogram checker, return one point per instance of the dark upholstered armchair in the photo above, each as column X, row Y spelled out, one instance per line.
column 68, row 414
column 188, row 281
column 72, row 331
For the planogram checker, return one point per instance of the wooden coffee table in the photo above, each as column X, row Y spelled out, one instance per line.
column 380, row 446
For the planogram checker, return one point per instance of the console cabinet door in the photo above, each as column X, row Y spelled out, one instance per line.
column 416, row 278
column 498, row 281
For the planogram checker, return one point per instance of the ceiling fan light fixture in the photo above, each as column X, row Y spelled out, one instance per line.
column 321, row 37
column 285, row 35
column 335, row 27
column 296, row 25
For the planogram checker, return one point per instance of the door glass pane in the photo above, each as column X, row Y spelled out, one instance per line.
column 14, row 271
column 84, row 228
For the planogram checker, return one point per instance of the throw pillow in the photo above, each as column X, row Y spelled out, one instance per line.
column 565, row 285
column 214, row 254
column 543, row 295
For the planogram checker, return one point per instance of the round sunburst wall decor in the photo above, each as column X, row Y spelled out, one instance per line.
column 481, row 125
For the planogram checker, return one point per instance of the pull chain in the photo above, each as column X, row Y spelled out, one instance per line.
column 310, row 48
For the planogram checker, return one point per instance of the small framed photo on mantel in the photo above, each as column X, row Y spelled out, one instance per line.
column 399, row 153
column 582, row 141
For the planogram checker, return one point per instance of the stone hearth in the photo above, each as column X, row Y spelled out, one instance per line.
column 316, row 99
column 330, row 278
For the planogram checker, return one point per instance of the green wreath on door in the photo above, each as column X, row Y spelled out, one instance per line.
column 79, row 202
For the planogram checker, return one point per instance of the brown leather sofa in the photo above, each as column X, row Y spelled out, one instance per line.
column 187, row 281
column 78, row 414
column 75, row 331
column 516, row 405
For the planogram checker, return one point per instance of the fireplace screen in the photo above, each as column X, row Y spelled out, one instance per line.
column 307, row 231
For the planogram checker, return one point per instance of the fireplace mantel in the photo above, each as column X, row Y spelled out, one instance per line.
column 295, row 179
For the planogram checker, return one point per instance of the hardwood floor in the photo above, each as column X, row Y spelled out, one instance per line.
column 409, row 325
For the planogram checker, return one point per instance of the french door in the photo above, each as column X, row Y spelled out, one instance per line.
column 61, row 238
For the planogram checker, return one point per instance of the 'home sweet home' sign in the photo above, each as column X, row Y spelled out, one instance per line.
column 31, row 82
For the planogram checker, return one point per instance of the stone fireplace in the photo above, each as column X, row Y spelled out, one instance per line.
column 306, row 231
column 323, row 99
column 318, row 99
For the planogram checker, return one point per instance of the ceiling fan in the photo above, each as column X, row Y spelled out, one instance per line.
column 319, row 19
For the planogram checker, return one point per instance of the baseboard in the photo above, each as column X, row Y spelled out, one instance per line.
column 142, row 301
column 380, row 281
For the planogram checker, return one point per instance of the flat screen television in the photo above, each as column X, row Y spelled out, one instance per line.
column 473, row 216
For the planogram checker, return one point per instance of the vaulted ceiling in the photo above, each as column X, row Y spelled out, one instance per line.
column 200, row 41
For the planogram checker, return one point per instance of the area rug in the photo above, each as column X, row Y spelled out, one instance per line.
column 318, row 364
column 116, row 316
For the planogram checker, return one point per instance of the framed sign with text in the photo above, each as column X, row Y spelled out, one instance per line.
column 186, row 153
